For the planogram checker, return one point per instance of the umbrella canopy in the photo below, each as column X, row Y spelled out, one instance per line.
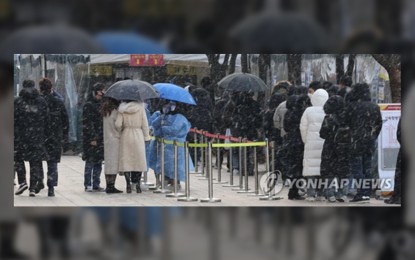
column 175, row 93
column 131, row 90
column 243, row 82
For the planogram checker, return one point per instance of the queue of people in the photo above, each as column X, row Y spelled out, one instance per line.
column 322, row 133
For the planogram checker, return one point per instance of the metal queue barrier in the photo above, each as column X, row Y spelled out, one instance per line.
column 162, row 190
column 241, row 144
column 188, row 198
column 210, row 199
column 219, row 163
column 271, row 195
column 195, row 152
column 176, row 193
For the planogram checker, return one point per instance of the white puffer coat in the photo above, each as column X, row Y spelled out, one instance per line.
column 311, row 122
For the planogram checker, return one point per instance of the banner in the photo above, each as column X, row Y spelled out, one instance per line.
column 138, row 60
column 155, row 60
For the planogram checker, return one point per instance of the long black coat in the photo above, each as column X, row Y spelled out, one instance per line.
column 57, row 129
column 293, row 146
column 218, row 124
column 31, row 117
column 364, row 119
column 242, row 115
column 201, row 115
column 92, row 130
column 336, row 135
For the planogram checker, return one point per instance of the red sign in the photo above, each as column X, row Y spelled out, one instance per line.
column 138, row 60
column 155, row 60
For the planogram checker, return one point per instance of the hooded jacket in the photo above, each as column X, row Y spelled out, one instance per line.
column 310, row 125
column 132, row 123
column 31, row 118
column 364, row 119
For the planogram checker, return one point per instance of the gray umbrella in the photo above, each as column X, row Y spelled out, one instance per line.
column 132, row 90
column 243, row 82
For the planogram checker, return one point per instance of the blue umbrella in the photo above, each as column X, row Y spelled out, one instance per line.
column 173, row 92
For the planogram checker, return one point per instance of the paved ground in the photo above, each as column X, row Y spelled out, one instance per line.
column 70, row 192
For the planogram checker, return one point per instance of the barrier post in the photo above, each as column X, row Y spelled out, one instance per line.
column 256, row 175
column 270, row 195
column 231, row 184
column 145, row 180
column 195, row 139
column 219, row 164
column 162, row 190
column 273, row 156
column 240, row 186
column 246, row 175
column 176, row 193
column 210, row 199
column 154, row 187
column 202, row 158
column 186, row 170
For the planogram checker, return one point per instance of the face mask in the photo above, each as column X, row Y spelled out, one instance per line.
column 172, row 107
column 166, row 109
column 348, row 89
column 310, row 95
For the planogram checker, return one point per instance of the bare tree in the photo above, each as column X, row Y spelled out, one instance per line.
column 339, row 67
column 244, row 63
column 294, row 68
column 392, row 64
column 217, row 70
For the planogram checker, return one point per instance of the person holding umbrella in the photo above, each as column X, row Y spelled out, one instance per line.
column 133, row 126
column 173, row 126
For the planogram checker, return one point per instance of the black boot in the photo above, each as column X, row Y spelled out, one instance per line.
column 51, row 191
column 111, row 184
column 158, row 180
column 128, row 181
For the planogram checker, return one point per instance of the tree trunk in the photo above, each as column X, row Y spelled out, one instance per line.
column 392, row 64
column 244, row 63
column 350, row 65
column 232, row 64
column 217, row 70
column 339, row 67
column 264, row 63
column 294, row 68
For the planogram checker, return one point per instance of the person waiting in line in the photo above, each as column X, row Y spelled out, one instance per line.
column 93, row 139
column 313, row 145
column 57, row 134
column 132, row 123
column 172, row 125
column 109, row 113
column 31, row 118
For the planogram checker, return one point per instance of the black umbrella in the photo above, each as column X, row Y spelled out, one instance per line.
column 243, row 82
column 132, row 90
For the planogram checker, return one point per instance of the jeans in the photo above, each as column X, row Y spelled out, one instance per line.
column 52, row 174
column 92, row 175
column 249, row 162
column 361, row 168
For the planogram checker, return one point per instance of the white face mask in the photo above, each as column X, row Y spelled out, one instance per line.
column 166, row 109
column 310, row 95
column 348, row 89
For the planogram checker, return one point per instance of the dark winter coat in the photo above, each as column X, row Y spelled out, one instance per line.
column 201, row 115
column 242, row 115
column 336, row 135
column 272, row 133
column 293, row 146
column 218, row 124
column 31, row 119
column 92, row 130
column 364, row 119
column 57, row 129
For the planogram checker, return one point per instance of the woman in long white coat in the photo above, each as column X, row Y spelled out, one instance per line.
column 132, row 123
column 310, row 125
column 111, row 143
